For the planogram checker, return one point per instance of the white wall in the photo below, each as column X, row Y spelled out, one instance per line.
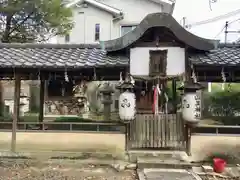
column 23, row 108
column 134, row 12
column 139, row 60
column 85, row 19
column 84, row 27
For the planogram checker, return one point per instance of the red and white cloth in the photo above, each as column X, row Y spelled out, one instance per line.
column 156, row 94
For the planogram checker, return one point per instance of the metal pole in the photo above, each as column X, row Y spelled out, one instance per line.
column 226, row 31
column 184, row 22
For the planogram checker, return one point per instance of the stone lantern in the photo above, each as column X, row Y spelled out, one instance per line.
column 106, row 92
column 23, row 101
column 127, row 102
column 191, row 103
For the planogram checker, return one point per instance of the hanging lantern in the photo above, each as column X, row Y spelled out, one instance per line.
column 191, row 103
column 127, row 102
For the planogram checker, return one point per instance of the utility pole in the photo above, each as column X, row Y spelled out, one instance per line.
column 226, row 31
column 184, row 22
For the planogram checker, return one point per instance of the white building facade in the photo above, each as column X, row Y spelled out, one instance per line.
column 101, row 20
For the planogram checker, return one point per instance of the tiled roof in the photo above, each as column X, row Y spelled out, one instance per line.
column 57, row 56
column 160, row 20
column 228, row 56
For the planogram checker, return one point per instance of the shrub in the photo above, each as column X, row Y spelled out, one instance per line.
column 225, row 103
column 223, row 106
column 72, row 119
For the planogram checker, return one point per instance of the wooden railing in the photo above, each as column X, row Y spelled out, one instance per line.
column 216, row 129
column 65, row 126
column 106, row 127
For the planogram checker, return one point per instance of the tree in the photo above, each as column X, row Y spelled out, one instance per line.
column 33, row 20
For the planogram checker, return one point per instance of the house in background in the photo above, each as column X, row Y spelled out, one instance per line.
column 101, row 20
column 95, row 21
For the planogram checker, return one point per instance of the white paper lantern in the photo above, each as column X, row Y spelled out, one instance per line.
column 127, row 106
column 191, row 107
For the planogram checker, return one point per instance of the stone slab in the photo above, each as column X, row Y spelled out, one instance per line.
column 169, row 174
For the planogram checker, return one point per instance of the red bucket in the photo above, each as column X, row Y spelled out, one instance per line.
column 219, row 165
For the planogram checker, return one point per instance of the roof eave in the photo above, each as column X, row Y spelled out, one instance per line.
column 104, row 7
column 100, row 5
column 161, row 20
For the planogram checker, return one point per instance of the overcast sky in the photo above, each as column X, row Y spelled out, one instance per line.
column 198, row 10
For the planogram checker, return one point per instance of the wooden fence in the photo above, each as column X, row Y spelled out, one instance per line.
column 65, row 126
column 163, row 131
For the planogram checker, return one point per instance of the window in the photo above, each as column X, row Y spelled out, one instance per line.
column 158, row 62
column 126, row 29
column 97, row 32
column 67, row 38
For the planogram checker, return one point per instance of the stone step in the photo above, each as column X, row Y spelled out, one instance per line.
column 153, row 163
column 169, row 174
column 161, row 155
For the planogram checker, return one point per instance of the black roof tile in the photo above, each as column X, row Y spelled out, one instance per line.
column 228, row 56
column 160, row 20
column 57, row 56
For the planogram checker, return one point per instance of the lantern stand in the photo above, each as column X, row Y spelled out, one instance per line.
column 107, row 91
column 127, row 108
column 80, row 97
column 23, row 102
column 191, row 109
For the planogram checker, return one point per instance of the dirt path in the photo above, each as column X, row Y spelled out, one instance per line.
column 37, row 170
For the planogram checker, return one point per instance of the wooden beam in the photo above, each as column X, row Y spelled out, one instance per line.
column 174, row 95
column 17, row 90
column 42, row 99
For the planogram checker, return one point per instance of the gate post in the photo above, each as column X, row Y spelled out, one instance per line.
column 127, row 136
column 188, row 135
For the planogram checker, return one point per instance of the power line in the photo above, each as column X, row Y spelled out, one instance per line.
column 220, row 31
column 217, row 18
column 225, row 27
column 234, row 21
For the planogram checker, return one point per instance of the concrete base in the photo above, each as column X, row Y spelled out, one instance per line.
column 160, row 159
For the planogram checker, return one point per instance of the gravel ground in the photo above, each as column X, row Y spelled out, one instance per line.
column 35, row 170
column 210, row 177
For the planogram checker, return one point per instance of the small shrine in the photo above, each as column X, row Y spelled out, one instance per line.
column 149, row 62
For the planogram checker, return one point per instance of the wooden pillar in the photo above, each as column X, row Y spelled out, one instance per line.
column 17, row 90
column 174, row 95
column 127, row 136
column 1, row 100
column 188, row 135
column 42, row 99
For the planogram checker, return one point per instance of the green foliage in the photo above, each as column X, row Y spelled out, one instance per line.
column 34, row 98
column 25, row 118
column 223, row 106
column 29, row 118
column 84, row 127
column 32, row 20
column 225, row 103
column 72, row 119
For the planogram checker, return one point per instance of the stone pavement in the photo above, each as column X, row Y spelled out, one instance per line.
column 196, row 173
column 167, row 174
